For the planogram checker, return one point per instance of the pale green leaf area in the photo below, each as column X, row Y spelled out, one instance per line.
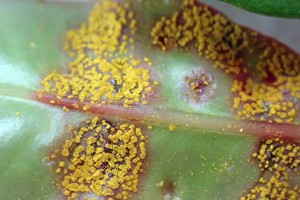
column 177, row 66
column 201, row 166
column 31, row 42
column 32, row 39
column 27, row 130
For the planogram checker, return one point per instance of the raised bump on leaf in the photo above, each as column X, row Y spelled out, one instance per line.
column 199, row 86
column 266, row 73
column 100, row 159
column 229, row 44
column 96, row 75
column 167, row 189
column 278, row 161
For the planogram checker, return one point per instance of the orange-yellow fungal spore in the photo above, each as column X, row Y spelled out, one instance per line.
column 96, row 76
column 272, row 87
column 199, row 86
column 101, row 159
column 275, row 96
column 103, row 34
column 215, row 36
column 172, row 127
column 98, row 80
column 272, row 103
column 278, row 162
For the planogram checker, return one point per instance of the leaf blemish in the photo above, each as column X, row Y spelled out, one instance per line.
column 200, row 86
column 100, row 158
column 96, row 75
column 278, row 161
column 97, row 79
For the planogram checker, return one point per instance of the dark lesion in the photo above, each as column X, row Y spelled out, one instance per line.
column 167, row 189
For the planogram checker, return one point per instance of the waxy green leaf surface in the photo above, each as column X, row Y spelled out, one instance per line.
column 277, row 8
column 188, row 163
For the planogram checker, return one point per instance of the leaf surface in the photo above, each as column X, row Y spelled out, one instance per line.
column 199, row 159
column 277, row 8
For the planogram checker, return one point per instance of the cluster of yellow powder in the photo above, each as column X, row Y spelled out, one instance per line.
column 229, row 46
column 196, row 83
column 101, row 159
column 268, row 102
column 101, row 81
column 278, row 162
column 104, row 32
column 199, row 86
column 215, row 36
column 275, row 101
column 94, row 75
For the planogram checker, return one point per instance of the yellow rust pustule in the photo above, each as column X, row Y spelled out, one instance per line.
column 225, row 43
column 267, row 102
column 276, row 93
column 100, row 81
column 102, row 159
column 103, row 34
column 214, row 35
column 279, row 162
column 200, row 86
column 94, row 75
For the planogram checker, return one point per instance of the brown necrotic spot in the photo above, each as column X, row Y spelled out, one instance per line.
column 100, row 159
column 167, row 189
column 198, row 86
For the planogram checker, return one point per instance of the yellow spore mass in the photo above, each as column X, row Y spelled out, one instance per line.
column 215, row 36
column 278, row 162
column 172, row 127
column 274, row 102
column 94, row 75
column 101, row 159
column 98, row 80
column 103, row 34
column 225, row 43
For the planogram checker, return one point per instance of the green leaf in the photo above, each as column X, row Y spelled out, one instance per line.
column 204, row 158
column 278, row 8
